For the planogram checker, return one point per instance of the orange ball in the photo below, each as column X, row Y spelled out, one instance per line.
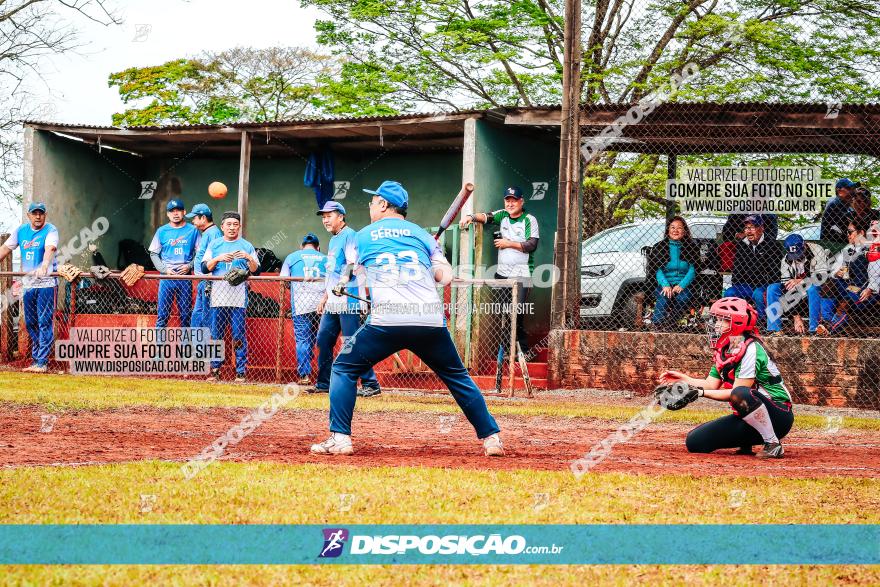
column 217, row 190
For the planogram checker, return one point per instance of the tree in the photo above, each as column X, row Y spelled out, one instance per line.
column 237, row 84
column 30, row 31
column 460, row 53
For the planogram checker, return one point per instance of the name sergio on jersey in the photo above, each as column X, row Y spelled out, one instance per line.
column 389, row 233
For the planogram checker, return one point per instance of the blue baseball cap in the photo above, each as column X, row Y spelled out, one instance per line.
column 331, row 206
column 795, row 249
column 311, row 239
column 37, row 206
column 844, row 182
column 200, row 210
column 392, row 192
column 513, row 192
column 754, row 220
column 175, row 205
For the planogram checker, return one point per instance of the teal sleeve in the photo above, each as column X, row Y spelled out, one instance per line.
column 688, row 278
column 661, row 278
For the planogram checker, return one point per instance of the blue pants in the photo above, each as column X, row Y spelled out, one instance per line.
column 749, row 292
column 305, row 329
column 201, row 314
column 434, row 346
column 222, row 317
column 39, row 310
column 670, row 309
column 854, row 305
column 817, row 305
column 169, row 292
column 328, row 331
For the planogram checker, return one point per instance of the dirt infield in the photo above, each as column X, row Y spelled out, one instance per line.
column 407, row 439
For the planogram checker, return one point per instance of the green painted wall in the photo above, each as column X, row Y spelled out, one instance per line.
column 78, row 185
column 507, row 156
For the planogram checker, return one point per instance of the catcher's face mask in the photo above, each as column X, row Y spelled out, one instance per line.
column 717, row 329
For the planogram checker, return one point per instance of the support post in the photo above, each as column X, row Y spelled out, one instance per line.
column 671, row 173
column 244, row 178
column 6, row 342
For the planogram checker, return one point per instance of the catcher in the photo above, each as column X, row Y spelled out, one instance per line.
column 744, row 375
column 233, row 258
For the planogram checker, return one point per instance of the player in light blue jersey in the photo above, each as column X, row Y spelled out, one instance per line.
column 203, row 219
column 173, row 250
column 229, row 302
column 403, row 264
column 310, row 263
column 38, row 241
column 339, row 313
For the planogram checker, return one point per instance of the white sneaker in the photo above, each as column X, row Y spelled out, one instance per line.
column 337, row 444
column 492, row 446
column 36, row 369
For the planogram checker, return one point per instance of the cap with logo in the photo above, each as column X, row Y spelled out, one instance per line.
column 795, row 249
column 513, row 192
column 175, row 205
column 311, row 239
column 331, row 206
column 393, row 193
column 754, row 220
column 37, row 206
column 200, row 210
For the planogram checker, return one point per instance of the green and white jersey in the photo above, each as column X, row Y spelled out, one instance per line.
column 511, row 262
column 756, row 364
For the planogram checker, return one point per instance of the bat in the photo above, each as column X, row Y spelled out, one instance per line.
column 498, row 368
column 524, row 367
column 455, row 208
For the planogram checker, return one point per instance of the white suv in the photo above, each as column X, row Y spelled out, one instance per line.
column 613, row 266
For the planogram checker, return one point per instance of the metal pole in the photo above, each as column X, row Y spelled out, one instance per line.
column 6, row 351
column 671, row 173
column 281, row 330
column 514, row 296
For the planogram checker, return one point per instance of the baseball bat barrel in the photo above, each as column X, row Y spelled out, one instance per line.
column 455, row 208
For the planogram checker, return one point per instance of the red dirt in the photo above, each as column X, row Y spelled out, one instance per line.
column 408, row 439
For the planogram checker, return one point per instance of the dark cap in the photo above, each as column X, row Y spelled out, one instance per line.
column 513, row 192
column 795, row 249
column 175, row 204
column 844, row 182
column 311, row 239
column 754, row 220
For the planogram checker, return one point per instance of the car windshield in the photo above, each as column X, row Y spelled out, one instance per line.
column 624, row 239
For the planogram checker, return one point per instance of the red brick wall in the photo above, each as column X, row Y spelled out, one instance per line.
column 819, row 371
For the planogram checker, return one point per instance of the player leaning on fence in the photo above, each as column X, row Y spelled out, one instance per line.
column 516, row 247
column 229, row 302
column 403, row 265
column 172, row 251
column 38, row 241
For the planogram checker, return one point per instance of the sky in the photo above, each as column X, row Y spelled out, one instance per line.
column 73, row 87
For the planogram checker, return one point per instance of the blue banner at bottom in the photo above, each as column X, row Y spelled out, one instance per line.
column 440, row 544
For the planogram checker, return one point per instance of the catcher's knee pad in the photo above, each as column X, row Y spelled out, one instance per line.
column 743, row 401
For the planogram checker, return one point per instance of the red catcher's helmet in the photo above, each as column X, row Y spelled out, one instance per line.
column 741, row 317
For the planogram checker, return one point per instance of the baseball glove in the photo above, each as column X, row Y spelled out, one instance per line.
column 100, row 272
column 237, row 276
column 675, row 396
column 131, row 274
column 69, row 272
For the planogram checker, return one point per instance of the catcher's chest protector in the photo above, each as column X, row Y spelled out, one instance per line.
column 726, row 364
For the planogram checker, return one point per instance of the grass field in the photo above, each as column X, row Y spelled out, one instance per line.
column 261, row 492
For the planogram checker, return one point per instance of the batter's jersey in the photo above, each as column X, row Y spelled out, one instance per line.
column 176, row 246
column 33, row 245
column 224, row 294
column 309, row 263
column 341, row 251
column 397, row 257
column 511, row 262
column 209, row 234
column 756, row 364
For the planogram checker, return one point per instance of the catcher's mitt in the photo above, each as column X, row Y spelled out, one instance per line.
column 675, row 396
column 100, row 272
column 237, row 276
column 131, row 274
column 69, row 272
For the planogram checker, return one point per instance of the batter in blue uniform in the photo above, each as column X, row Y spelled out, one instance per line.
column 173, row 249
column 38, row 241
column 309, row 263
column 403, row 265
column 203, row 219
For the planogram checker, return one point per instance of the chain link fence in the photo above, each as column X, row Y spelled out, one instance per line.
column 265, row 330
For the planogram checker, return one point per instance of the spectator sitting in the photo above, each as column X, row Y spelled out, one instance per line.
column 673, row 262
column 834, row 218
column 857, row 283
column 756, row 264
column 861, row 206
column 801, row 259
column 735, row 230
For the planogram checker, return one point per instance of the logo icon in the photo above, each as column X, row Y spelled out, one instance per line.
column 148, row 188
column 340, row 189
column 334, row 540
column 539, row 190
